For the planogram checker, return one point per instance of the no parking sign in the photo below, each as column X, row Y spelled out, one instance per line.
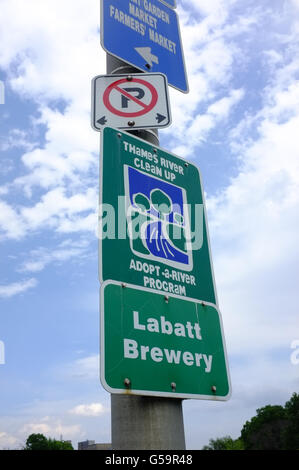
column 138, row 101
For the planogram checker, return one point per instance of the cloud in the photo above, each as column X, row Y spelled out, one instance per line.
column 56, row 419
column 216, row 112
column 93, row 409
column 54, row 429
column 56, row 207
column 221, row 108
column 71, row 150
column 215, row 12
column 41, row 62
column 86, row 368
column 212, row 56
column 202, row 125
column 11, row 226
column 65, row 165
column 36, row 428
column 10, row 290
column 254, row 225
column 38, row 34
column 57, row 210
column 39, row 258
column 16, row 138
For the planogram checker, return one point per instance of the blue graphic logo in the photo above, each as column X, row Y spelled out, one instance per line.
column 158, row 220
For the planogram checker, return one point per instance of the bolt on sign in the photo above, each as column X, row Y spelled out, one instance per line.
column 135, row 101
column 167, row 346
column 153, row 228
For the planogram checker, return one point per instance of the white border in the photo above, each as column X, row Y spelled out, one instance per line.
column 144, row 76
column 167, row 4
column 124, row 391
column 202, row 193
column 134, row 65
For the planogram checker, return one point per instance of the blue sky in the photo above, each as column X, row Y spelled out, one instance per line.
column 239, row 123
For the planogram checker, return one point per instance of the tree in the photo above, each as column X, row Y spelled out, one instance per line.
column 265, row 431
column 224, row 443
column 273, row 428
column 59, row 445
column 36, row 442
column 40, row 442
column 291, row 433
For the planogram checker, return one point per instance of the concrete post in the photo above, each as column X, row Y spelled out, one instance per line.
column 147, row 423
column 144, row 423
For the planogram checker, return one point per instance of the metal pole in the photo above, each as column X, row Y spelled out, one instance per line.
column 149, row 423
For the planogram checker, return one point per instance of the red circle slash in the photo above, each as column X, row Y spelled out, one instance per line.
column 145, row 108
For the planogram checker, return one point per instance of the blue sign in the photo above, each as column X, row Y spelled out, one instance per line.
column 145, row 34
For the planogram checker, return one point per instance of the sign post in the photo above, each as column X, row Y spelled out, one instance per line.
column 139, row 422
column 161, row 331
column 150, row 37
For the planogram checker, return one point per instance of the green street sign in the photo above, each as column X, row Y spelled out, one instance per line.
column 168, row 346
column 153, row 226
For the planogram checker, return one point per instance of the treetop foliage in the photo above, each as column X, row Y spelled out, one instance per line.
column 273, row 428
column 40, row 442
